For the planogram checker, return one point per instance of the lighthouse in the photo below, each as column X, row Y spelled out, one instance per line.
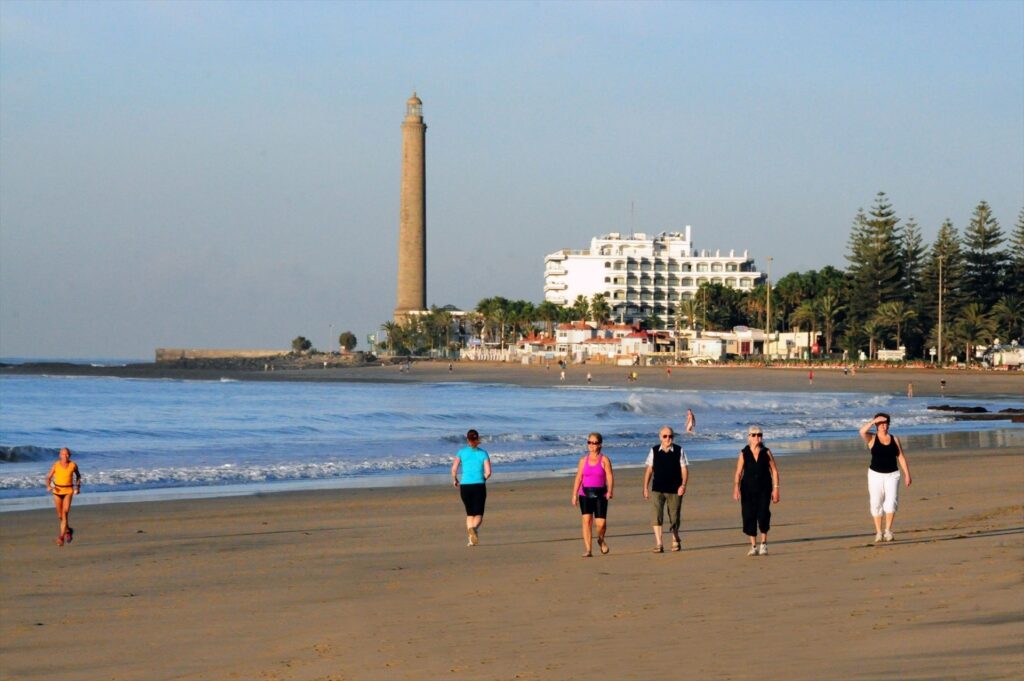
column 412, row 220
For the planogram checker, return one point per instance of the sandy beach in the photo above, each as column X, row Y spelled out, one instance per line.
column 378, row 583
column 926, row 382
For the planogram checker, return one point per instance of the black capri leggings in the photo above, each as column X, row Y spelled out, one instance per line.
column 755, row 506
column 474, row 497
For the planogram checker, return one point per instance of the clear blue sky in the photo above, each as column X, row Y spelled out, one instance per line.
column 227, row 174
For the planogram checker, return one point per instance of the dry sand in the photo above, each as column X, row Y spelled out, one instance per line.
column 378, row 584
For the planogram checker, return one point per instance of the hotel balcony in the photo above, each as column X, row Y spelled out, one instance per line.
column 555, row 286
column 556, row 269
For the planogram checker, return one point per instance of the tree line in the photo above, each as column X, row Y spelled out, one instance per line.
column 887, row 296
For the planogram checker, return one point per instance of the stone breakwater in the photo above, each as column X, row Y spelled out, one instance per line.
column 178, row 354
column 263, row 362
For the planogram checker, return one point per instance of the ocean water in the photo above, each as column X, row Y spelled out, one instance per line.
column 158, row 438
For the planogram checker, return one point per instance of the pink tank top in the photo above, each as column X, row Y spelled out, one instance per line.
column 593, row 476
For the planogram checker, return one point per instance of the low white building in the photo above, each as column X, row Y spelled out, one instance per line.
column 641, row 275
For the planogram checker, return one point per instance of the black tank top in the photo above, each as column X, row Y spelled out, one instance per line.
column 883, row 457
column 757, row 474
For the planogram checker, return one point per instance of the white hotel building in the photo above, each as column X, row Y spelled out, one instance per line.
column 641, row 275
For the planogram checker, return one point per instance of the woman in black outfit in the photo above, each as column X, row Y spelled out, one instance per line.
column 887, row 459
column 756, row 488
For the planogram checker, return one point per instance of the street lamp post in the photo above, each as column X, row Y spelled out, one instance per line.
column 768, row 307
column 940, row 310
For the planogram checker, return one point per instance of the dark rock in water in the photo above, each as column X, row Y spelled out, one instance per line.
column 960, row 410
column 1011, row 410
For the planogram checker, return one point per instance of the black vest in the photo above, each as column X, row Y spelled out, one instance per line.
column 668, row 475
column 757, row 475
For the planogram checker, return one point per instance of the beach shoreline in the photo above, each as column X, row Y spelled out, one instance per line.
column 378, row 584
column 896, row 380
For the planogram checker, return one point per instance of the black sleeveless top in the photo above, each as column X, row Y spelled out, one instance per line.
column 883, row 457
column 668, row 474
column 757, row 474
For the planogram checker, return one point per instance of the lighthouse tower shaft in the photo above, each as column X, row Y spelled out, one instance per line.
column 412, row 223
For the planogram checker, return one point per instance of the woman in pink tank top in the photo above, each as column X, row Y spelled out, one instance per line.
column 591, row 491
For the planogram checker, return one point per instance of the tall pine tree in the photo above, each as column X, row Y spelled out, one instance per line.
column 912, row 254
column 1015, row 272
column 876, row 264
column 946, row 250
column 984, row 278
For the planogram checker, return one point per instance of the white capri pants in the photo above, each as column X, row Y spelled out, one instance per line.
column 884, row 490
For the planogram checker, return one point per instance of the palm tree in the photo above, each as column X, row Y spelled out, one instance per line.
column 895, row 314
column 830, row 309
column 495, row 312
column 580, row 308
column 873, row 331
column 805, row 313
column 1008, row 314
column 973, row 327
column 688, row 309
column 549, row 313
column 600, row 311
column 522, row 315
column 754, row 305
column 652, row 321
column 390, row 329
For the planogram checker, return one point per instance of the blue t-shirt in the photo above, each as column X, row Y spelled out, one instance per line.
column 472, row 465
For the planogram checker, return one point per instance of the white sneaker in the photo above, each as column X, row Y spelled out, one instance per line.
column 752, row 551
column 878, row 537
column 763, row 551
column 887, row 535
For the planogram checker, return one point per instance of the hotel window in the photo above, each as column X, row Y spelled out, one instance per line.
column 716, row 267
column 702, row 267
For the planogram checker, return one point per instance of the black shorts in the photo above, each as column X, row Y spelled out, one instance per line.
column 474, row 497
column 595, row 506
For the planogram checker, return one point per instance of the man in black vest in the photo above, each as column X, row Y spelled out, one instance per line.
column 668, row 467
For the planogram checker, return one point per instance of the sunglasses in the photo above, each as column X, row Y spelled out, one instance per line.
column 591, row 442
column 755, row 434
column 667, row 437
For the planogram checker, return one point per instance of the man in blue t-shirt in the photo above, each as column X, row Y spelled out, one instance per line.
column 476, row 468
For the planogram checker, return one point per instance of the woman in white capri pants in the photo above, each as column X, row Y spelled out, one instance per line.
column 887, row 459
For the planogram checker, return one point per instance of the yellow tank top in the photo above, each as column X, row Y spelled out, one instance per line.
column 62, row 474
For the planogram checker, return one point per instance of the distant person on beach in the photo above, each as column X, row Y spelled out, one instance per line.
column 810, row 377
column 476, row 469
column 756, row 487
column 691, row 421
column 910, row 390
column 887, row 459
column 589, row 377
column 942, row 386
column 64, row 481
column 591, row 491
column 665, row 484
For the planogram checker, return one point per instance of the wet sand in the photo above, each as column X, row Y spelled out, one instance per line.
column 378, row 583
column 926, row 382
